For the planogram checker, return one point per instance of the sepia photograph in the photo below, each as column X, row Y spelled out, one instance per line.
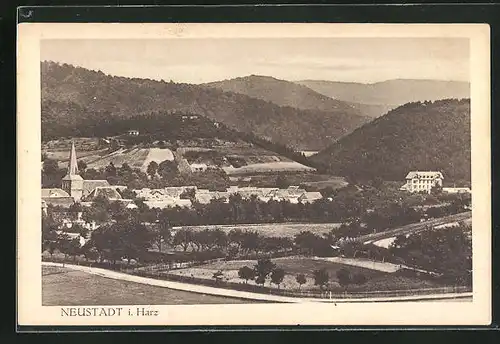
column 237, row 167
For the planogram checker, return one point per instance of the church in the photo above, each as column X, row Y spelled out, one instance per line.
column 75, row 189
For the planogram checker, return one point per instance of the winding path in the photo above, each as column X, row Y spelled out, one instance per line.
column 246, row 295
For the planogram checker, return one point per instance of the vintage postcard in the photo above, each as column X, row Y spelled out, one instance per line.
column 253, row 174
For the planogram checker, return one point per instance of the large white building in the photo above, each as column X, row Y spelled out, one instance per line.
column 422, row 181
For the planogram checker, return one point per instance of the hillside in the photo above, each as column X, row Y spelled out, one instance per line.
column 74, row 96
column 392, row 93
column 415, row 136
column 284, row 93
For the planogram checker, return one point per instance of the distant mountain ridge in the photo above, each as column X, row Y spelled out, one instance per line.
column 74, row 96
column 415, row 136
column 283, row 93
column 287, row 93
column 390, row 93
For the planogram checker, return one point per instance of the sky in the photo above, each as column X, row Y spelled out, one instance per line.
column 189, row 60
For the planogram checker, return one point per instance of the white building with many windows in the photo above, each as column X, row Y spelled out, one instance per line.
column 422, row 181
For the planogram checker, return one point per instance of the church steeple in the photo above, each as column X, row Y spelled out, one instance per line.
column 73, row 164
column 72, row 183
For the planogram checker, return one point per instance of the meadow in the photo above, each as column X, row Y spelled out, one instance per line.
column 375, row 280
column 288, row 230
column 66, row 287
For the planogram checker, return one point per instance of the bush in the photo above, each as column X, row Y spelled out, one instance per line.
column 359, row 278
column 344, row 277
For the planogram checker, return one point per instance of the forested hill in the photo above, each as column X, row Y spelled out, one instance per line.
column 391, row 93
column 415, row 136
column 74, row 96
column 284, row 93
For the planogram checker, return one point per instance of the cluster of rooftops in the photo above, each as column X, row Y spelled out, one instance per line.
column 76, row 189
column 171, row 196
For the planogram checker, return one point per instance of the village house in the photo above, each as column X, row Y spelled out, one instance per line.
column 76, row 189
column 422, row 181
column 198, row 167
column 310, row 197
column 168, row 202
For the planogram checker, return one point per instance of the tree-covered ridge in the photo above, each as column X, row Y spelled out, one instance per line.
column 73, row 94
column 416, row 136
column 283, row 93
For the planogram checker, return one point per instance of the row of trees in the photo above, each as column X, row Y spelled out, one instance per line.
column 321, row 277
column 237, row 210
column 447, row 251
column 127, row 236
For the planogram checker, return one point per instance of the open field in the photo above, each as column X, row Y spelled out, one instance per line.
column 272, row 229
column 62, row 286
column 135, row 157
column 64, row 144
column 63, row 155
column 269, row 167
column 293, row 266
column 311, row 181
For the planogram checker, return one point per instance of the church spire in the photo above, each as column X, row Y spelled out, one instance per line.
column 73, row 164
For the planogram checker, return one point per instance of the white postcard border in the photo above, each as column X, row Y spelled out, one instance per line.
column 30, row 309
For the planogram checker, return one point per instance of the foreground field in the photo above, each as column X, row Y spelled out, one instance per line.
column 293, row 266
column 62, row 286
column 272, row 229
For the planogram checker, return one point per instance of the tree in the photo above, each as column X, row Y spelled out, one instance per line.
column 263, row 268
column 307, row 241
column 129, row 239
column 188, row 194
column 49, row 234
column 220, row 238
column 218, row 276
column 152, row 168
column 344, row 277
column 359, row 278
column 164, row 233
column 128, row 194
column 167, row 169
column 277, row 276
column 89, row 251
column 118, row 212
column 183, row 238
column 246, row 273
column 321, row 277
column 282, row 182
column 110, row 170
column 65, row 245
column 74, row 248
column 251, row 241
column 50, row 166
column 236, row 236
column 436, row 189
column 448, row 252
column 301, row 279
column 82, row 165
column 377, row 182
column 260, row 280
